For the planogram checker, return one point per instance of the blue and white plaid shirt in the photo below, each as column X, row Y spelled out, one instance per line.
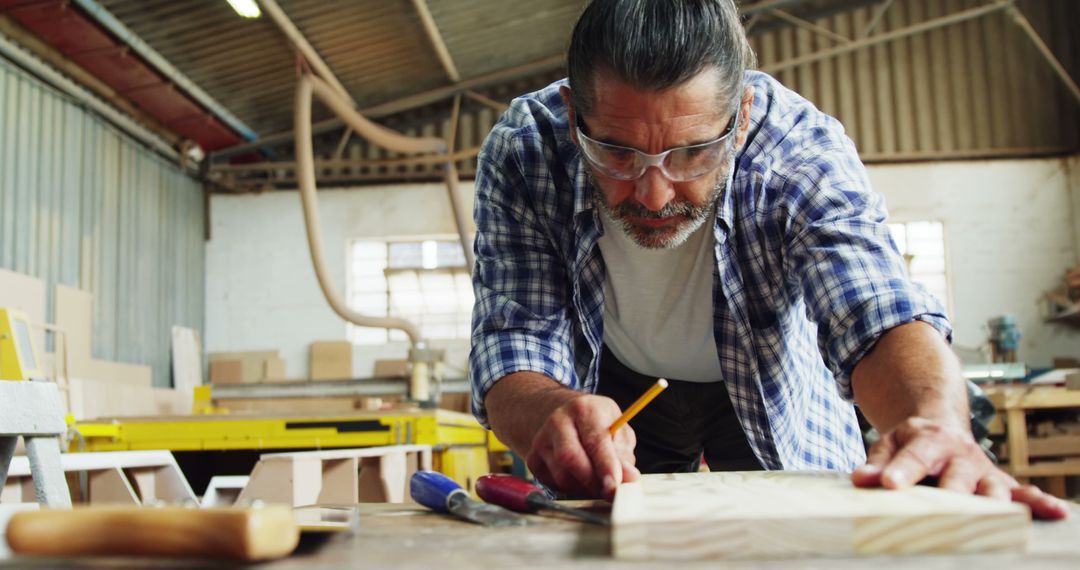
column 807, row 277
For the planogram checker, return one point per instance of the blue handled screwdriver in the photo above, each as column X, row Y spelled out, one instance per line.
column 442, row 494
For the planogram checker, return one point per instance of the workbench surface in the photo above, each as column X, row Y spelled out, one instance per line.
column 409, row 537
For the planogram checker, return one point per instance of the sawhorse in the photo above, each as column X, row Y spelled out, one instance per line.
column 32, row 410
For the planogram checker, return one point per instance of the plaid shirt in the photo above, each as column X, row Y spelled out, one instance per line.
column 807, row 277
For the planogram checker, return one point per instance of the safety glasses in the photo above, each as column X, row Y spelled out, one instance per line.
column 677, row 164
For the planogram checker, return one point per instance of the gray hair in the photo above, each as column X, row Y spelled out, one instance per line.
column 656, row 45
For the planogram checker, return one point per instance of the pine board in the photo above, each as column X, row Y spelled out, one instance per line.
column 788, row 513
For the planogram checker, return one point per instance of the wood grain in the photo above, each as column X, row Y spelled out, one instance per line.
column 695, row 516
column 240, row 534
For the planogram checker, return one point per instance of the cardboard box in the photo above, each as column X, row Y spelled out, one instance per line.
column 331, row 360
column 253, row 363
column 391, row 368
column 274, row 370
column 226, row 371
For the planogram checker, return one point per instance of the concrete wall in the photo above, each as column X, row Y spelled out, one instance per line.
column 261, row 289
column 1012, row 227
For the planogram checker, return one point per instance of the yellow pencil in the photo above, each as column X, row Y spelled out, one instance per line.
column 636, row 407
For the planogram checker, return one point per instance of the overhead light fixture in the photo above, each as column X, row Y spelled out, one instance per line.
column 246, row 8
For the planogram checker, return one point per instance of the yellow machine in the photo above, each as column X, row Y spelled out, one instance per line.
column 18, row 355
column 460, row 444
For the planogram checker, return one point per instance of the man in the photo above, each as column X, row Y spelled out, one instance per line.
column 666, row 213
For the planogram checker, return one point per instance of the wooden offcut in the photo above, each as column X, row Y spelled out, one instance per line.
column 789, row 513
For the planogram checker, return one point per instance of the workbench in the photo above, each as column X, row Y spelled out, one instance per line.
column 410, row 537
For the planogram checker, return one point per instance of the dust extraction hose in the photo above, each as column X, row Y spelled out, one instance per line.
column 382, row 137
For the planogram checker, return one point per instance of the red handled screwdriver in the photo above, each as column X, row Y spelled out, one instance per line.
column 519, row 495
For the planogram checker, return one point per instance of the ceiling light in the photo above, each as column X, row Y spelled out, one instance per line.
column 246, row 8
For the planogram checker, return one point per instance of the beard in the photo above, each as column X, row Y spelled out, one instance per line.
column 648, row 237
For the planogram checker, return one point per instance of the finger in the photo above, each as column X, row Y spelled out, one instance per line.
column 538, row 467
column 600, row 448
column 869, row 475
column 1043, row 506
column 996, row 487
column 630, row 473
column 568, row 462
column 922, row 456
column 625, row 442
column 963, row 473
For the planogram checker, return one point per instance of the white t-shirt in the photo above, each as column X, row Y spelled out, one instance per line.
column 658, row 304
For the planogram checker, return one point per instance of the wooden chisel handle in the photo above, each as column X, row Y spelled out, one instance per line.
column 239, row 534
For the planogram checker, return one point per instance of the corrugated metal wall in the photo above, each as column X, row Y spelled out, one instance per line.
column 975, row 89
column 84, row 205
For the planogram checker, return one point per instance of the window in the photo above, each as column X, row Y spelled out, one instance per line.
column 425, row 282
column 923, row 246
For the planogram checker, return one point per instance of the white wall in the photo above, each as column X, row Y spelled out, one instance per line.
column 1012, row 227
column 261, row 291
column 1011, row 230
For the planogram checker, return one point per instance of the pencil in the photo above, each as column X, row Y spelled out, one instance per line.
column 636, row 407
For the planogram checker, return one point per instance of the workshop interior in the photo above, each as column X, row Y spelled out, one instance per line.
column 237, row 290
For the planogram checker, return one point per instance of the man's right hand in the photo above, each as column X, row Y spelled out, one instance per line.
column 562, row 434
column 574, row 453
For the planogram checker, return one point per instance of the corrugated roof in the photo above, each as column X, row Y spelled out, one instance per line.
column 377, row 48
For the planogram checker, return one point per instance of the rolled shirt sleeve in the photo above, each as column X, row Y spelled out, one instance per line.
column 840, row 251
column 520, row 319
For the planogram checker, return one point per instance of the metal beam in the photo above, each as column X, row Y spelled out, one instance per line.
column 27, row 61
column 820, row 30
column 500, row 107
column 455, row 116
column 162, row 65
column 296, row 37
column 1045, row 50
column 768, row 6
column 437, row 41
column 396, row 106
column 890, row 36
column 876, row 18
column 335, row 164
column 54, row 57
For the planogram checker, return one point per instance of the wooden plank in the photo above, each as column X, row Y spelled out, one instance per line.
column 1049, row 469
column 75, row 313
column 340, row 481
column 186, row 362
column 789, row 514
column 1035, row 398
column 1016, row 428
column 329, row 454
column 111, row 486
column 1050, row 446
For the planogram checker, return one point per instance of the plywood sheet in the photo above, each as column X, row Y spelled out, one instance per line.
column 186, row 361
column 778, row 514
column 74, row 314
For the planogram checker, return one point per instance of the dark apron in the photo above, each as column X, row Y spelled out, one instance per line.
column 684, row 421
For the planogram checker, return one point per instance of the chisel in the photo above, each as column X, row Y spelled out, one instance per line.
column 520, row 495
column 442, row 494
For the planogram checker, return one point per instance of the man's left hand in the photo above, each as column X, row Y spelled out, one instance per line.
column 920, row 448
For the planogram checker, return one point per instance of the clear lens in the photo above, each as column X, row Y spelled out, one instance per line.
column 678, row 164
